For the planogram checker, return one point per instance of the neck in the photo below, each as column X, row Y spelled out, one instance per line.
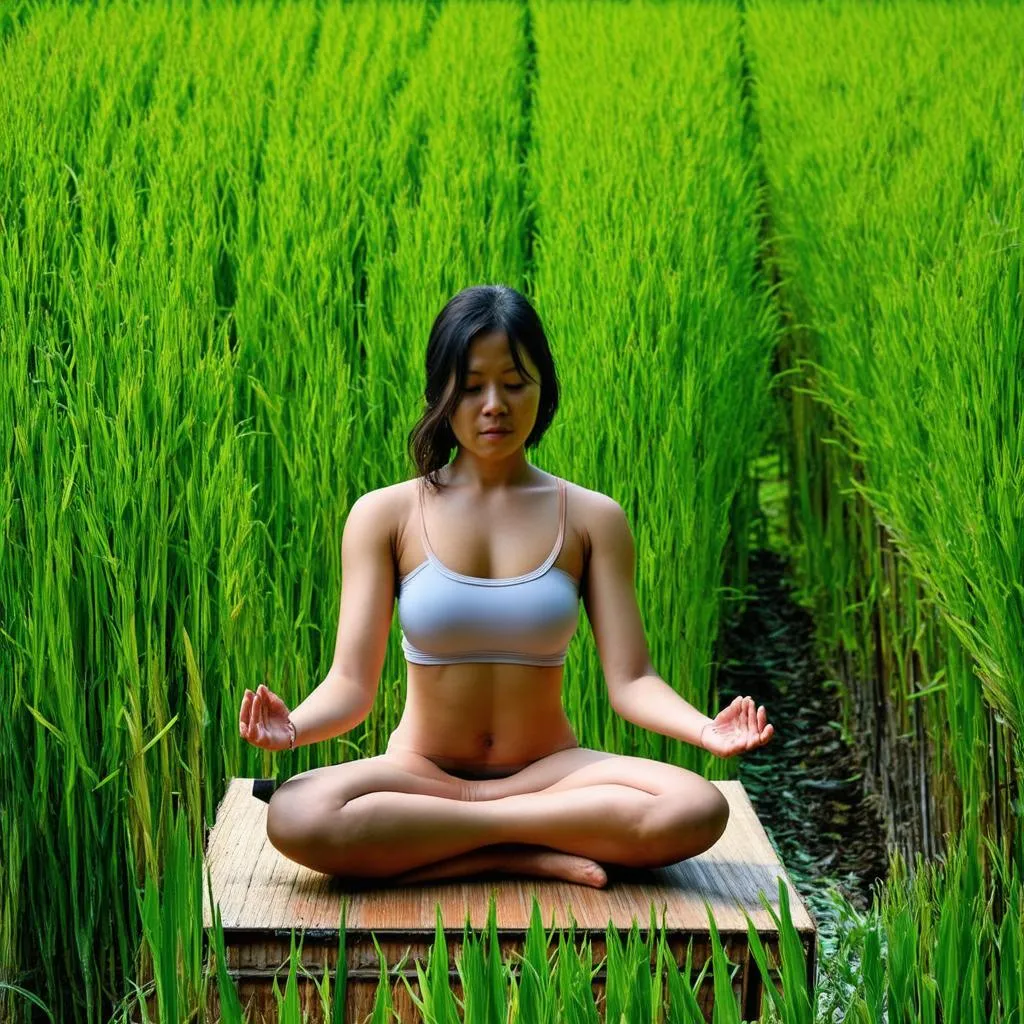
column 469, row 470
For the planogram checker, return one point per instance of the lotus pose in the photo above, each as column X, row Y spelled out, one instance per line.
column 488, row 557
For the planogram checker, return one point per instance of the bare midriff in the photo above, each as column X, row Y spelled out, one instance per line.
column 484, row 720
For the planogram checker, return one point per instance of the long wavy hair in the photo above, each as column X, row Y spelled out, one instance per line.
column 479, row 309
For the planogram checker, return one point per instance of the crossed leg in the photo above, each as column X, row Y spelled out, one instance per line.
column 401, row 817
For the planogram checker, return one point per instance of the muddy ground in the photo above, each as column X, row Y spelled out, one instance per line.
column 805, row 784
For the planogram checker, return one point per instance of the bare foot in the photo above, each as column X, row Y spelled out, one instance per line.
column 555, row 864
column 505, row 860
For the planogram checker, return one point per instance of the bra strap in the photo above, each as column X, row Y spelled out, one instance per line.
column 423, row 522
column 561, row 519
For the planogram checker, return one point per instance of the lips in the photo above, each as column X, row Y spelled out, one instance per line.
column 495, row 431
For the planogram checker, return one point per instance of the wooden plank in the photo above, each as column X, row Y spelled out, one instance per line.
column 258, row 888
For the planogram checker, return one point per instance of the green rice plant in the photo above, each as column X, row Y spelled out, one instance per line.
column 437, row 1002
column 537, row 991
column 152, row 537
column 470, row 966
column 896, row 199
column 682, row 999
column 850, row 973
column 794, row 1004
column 29, row 997
column 497, row 974
column 170, row 911
column 632, row 977
column 1008, row 956
column 341, row 971
column 229, row 1004
column 725, row 1010
column 574, row 980
column 288, row 1009
column 383, row 1005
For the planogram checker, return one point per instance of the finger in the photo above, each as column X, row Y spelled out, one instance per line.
column 762, row 718
column 254, row 716
column 243, row 714
column 767, row 732
column 250, row 703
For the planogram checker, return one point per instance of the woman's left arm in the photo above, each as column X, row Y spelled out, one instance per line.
column 738, row 727
column 635, row 690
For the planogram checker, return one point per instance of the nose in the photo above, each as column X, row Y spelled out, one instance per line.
column 493, row 400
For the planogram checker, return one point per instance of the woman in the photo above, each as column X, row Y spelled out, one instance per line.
column 483, row 772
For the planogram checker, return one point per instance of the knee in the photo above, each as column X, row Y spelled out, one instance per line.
column 717, row 815
column 281, row 820
column 684, row 828
column 293, row 825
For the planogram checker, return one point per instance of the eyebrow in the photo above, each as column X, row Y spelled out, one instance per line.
column 511, row 366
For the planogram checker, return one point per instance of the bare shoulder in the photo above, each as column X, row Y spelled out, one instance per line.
column 382, row 511
column 592, row 501
column 596, row 516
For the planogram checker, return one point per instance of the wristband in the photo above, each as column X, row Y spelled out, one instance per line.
column 291, row 725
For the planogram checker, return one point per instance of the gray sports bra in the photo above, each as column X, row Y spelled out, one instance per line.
column 448, row 618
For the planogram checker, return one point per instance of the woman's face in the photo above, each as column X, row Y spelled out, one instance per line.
column 495, row 396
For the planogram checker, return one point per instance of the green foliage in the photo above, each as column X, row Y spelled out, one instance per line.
column 794, row 1004
column 224, row 232
column 383, row 1005
column 895, row 197
column 228, row 1001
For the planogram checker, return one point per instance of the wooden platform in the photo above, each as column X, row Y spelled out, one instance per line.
column 263, row 896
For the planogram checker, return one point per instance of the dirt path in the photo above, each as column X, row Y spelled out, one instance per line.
column 805, row 785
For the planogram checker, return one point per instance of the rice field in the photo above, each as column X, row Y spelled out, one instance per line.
column 775, row 233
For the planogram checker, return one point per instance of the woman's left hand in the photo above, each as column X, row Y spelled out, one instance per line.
column 737, row 728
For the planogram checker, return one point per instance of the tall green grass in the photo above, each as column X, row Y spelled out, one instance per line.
column 134, row 577
column 896, row 198
column 928, row 949
column 224, row 232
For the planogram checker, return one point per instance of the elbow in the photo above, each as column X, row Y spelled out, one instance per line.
column 355, row 697
column 618, row 699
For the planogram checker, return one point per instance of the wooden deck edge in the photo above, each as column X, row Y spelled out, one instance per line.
column 456, row 931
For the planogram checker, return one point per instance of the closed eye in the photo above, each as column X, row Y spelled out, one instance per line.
column 511, row 387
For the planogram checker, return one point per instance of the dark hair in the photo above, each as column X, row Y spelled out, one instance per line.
column 479, row 309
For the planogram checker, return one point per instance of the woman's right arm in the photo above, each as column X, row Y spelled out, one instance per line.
column 346, row 695
column 332, row 709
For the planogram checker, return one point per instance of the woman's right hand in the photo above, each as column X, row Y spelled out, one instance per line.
column 264, row 720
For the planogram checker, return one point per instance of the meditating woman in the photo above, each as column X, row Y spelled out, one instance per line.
column 488, row 557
